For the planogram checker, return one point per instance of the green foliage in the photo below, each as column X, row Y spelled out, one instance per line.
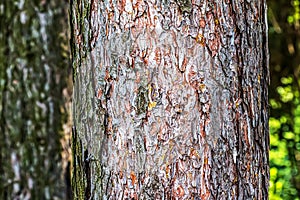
column 284, row 43
column 285, row 143
column 294, row 17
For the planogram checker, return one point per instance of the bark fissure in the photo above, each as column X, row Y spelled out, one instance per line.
column 87, row 172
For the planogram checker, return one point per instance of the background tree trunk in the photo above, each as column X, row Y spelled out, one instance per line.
column 33, row 60
column 170, row 99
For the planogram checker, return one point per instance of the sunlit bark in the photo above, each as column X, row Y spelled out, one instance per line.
column 170, row 99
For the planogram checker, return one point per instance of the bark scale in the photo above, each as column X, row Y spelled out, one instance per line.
column 170, row 99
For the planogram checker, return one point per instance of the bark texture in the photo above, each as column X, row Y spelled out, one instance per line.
column 33, row 67
column 170, row 99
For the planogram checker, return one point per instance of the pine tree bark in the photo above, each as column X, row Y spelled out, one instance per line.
column 33, row 71
column 170, row 99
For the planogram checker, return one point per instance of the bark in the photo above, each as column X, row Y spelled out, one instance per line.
column 33, row 67
column 170, row 99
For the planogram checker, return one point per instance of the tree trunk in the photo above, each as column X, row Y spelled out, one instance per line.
column 32, row 76
column 170, row 99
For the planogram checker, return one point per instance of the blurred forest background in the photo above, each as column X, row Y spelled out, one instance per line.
column 35, row 99
column 35, row 92
column 284, row 98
